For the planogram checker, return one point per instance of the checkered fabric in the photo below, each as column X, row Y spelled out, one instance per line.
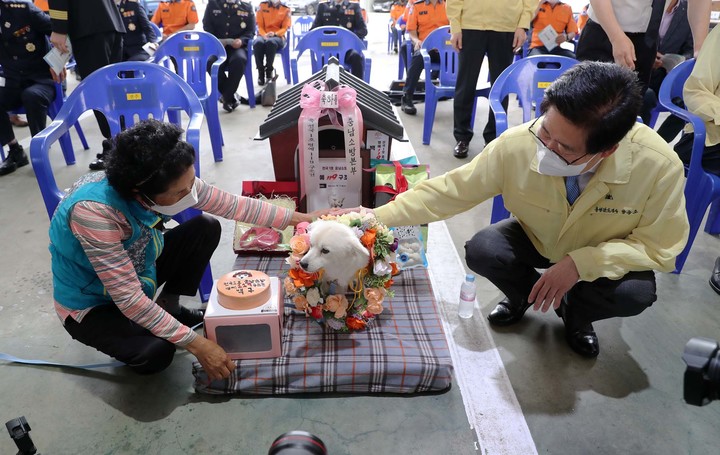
column 403, row 351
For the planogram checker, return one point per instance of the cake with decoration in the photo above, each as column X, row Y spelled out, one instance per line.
column 243, row 289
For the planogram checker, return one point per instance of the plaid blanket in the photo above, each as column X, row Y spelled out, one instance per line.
column 403, row 351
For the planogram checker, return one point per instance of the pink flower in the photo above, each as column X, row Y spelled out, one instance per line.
column 299, row 244
column 338, row 304
column 293, row 261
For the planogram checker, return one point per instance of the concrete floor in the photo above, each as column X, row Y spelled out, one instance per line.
column 629, row 400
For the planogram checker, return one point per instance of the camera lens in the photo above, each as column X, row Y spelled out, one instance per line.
column 297, row 443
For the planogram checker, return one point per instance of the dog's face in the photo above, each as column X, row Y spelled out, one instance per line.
column 336, row 249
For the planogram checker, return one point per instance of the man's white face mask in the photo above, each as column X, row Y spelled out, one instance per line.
column 549, row 163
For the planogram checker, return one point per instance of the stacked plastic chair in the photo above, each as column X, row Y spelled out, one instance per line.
column 325, row 42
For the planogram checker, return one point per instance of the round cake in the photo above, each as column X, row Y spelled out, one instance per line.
column 243, row 289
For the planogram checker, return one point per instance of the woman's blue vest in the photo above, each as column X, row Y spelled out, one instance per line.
column 75, row 283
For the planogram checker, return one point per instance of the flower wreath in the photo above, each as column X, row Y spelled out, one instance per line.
column 369, row 289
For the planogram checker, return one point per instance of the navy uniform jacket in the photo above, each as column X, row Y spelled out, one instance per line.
column 23, row 33
column 345, row 14
column 137, row 24
column 230, row 19
column 79, row 18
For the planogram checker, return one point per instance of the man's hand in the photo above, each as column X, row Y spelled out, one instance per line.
column 417, row 44
column 59, row 41
column 624, row 51
column 212, row 357
column 519, row 38
column 658, row 61
column 270, row 34
column 58, row 78
column 237, row 43
column 456, row 40
column 553, row 285
column 561, row 38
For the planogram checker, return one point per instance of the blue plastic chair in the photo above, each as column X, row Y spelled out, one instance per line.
column 528, row 82
column 447, row 76
column 191, row 52
column 702, row 189
column 299, row 28
column 326, row 42
column 158, row 32
column 285, row 56
column 125, row 92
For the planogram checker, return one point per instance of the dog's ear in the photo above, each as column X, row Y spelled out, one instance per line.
column 357, row 249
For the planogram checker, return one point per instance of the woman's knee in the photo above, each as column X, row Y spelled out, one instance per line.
column 155, row 356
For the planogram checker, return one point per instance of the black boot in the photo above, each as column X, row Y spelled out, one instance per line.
column 99, row 163
column 407, row 105
column 16, row 158
column 261, row 75
column 269, row 70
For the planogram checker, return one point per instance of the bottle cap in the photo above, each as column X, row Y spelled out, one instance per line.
column 470, row 277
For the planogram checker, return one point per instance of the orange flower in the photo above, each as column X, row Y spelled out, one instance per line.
column 368, row 238
column 394, row 268
column 374, row 295
column 301, row 278
column 289, row 285
column 300, row 302
column 299, row 244
column 388, row 283
column 354, row 323
column 375, row 307
column 338, row 304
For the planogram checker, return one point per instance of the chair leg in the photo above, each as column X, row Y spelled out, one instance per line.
column 206, row 285
column 285, row 57
column 249, row 83
column 67, row 148
column 696, row 211
column 173, row 116
column 429, row 120
column 81, row 135
column 2, row 153
column 712, row 226
column 213, row 123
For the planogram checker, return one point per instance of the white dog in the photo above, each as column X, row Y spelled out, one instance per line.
column 336, row 249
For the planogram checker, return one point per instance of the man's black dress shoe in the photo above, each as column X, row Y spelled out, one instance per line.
column 506, row 313
column 461, row 149
column 190, row 317
column 715, row 277
column 581, row 339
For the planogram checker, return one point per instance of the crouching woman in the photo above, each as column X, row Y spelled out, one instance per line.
column 111, row 252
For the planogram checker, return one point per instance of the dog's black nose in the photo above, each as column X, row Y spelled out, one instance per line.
column 303, row 264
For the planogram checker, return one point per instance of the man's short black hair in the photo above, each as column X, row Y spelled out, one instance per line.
column 604, row 99
column 148, row 157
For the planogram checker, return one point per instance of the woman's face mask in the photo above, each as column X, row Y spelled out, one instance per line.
column 549, row 163
column 189, row 200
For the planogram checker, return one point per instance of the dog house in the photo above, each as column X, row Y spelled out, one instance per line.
column 380, row 126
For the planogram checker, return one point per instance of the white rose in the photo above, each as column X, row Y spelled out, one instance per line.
column 381, row 268
column 313, row 297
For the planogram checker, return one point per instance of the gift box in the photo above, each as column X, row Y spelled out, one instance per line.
column 247, row 334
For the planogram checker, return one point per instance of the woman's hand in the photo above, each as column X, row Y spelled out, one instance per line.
column 212, row 357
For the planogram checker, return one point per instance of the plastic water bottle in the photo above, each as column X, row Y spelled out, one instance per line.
column 467, row 297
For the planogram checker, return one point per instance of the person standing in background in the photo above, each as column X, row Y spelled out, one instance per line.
column 479, row 28
column 139, row 31
column 175, row 15
column 273, row 22
column 95, row 29
column 233, row 23
column 626, row 32
column 396, row 12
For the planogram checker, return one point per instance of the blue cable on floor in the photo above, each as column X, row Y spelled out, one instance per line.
column 89, row 366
